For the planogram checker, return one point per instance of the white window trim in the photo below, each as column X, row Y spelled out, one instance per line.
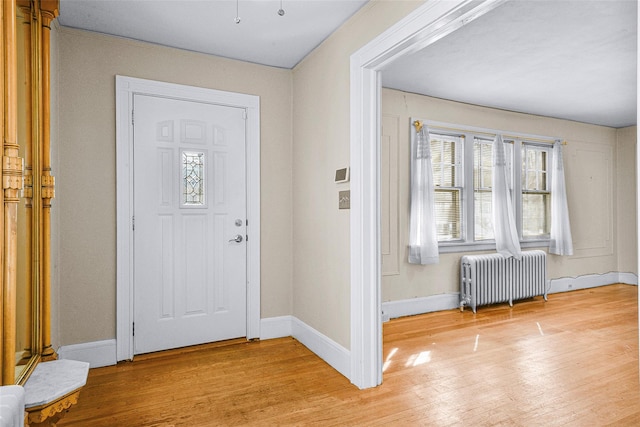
column 469, row 132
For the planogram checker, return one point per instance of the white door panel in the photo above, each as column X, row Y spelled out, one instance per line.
column 189, row 204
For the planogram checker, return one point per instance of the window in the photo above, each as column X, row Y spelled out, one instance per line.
column 482, row 176
column 536, row 197
column 462, row 172
column 192, row 178
column 446, row 158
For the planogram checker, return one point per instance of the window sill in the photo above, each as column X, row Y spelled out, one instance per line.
column 453, row 247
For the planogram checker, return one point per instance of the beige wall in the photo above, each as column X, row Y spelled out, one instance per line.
column 305, row 138
column 318, row 286
column 627, row 200
column 321, row 272
column 599, row 164
column 85, row 203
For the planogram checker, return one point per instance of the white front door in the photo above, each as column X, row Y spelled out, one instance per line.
column 189, row 223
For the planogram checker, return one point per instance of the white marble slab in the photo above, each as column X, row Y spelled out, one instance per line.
column 52, row 380
column 11, row 406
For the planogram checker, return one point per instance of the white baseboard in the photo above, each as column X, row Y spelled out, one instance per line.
column 421, row 305
column 96, row 353
column 103, row 353
column 276, row 327
column 628, row 278
column 324, row 347
column 413, row 306
column 565, row 284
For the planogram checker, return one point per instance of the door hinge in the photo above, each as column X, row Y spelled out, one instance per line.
column 246, row 238
column 134, row 329
column 133, row 223
column 244, row 114
column 132, row 120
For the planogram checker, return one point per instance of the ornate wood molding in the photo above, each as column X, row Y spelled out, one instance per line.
column 9, row 211
column 49, row 10
column 26, row 172
column 49, row 415
column 48, row 187
column 27, row 189
column 27, row 192
column 12, row 181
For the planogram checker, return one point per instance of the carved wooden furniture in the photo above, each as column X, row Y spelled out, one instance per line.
column 51, row 390
column 27, row 191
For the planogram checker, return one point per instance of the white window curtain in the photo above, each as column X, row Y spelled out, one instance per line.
column 560, row 242
column 423, row 240
column 504, row 221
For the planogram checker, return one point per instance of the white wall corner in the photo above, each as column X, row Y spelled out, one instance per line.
column 413, row 306
column 276, row 327
column 565, row 284
column 324, row 347
column 96, row 353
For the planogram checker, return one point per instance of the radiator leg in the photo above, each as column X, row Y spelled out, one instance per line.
column 461, row 306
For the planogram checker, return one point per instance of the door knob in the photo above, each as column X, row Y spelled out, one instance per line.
column 237, row 238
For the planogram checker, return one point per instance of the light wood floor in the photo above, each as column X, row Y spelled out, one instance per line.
column 572, row 361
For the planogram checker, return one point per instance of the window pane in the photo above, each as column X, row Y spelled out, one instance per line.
column 448, row 176
column 534, row 168
column 531, row 182
column 486, row 176
column 543, row 181
column 448, row 214
column 483, row 221
column 536, row 199
column 536, row 211
column 437, row 174
column 445, row 158
column 193, row 178
column 531, row 159
column 482, row 174
column 482, row 164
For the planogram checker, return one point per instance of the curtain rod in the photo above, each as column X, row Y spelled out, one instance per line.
column 418, row 125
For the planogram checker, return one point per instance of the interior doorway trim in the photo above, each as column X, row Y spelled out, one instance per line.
column 126, row 87
column 424, row 26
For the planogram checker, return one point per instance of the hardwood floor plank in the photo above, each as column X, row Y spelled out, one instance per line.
column 570, row 361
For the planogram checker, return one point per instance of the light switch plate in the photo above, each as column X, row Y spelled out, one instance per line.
column 344, row 199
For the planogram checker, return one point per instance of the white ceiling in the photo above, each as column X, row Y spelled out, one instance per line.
column 262, row 36
column 574, row 60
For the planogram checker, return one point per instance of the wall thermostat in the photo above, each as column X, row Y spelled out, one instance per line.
column 342, row 175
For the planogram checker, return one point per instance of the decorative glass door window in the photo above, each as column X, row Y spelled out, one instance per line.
column 193, row 178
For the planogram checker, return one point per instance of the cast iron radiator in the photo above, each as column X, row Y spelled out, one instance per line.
column 493, row 278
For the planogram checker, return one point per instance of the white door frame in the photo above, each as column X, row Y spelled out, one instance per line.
column 126, row 87
column 427, row 24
